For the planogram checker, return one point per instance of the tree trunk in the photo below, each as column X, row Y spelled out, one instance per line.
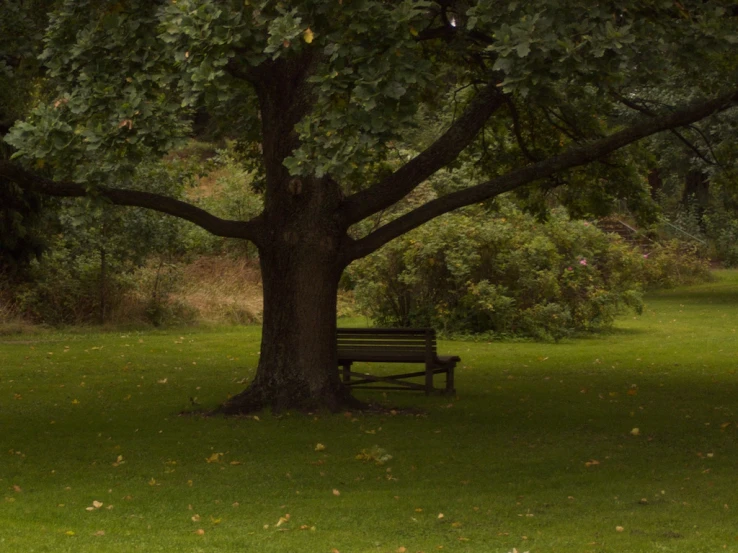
column 301, row 265
column 103, row 285
column 298, row 365
column 300, row 252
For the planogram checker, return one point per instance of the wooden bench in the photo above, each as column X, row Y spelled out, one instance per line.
column 394, row 345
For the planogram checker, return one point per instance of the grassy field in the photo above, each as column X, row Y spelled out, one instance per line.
column 618, row 443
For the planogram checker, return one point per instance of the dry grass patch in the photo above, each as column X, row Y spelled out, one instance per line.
column 222, row 289
column 11, row 321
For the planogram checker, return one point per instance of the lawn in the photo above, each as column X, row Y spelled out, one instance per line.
column 617, row 443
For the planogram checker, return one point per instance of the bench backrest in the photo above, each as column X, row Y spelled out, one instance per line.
column 387, row 344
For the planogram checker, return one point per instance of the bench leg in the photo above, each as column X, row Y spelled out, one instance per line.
column 346, row 372
column 450, row 381
column 428, row 380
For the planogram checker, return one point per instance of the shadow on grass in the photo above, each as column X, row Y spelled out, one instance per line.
column 698, row 296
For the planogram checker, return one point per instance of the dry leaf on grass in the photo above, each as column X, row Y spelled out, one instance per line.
column 282, row 520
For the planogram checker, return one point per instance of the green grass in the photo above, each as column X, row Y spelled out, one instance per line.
column 535, row 454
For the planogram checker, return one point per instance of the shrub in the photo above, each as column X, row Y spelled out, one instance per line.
column 469, row 273
column 67, row 289
column 722, row 229
column 674, row 263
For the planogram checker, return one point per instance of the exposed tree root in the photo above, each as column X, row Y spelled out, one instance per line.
column 257, row 397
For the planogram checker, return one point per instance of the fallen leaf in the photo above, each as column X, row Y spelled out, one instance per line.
column 336, row 492
column 97, row 504
column 591, row 463
column 17, row 489
column 99, row 533
column 195, row 518
column 214, row 458
column 200, row 532
column 162, row 381
column 319, row 447
column 440, row 515
column 282, row 520
column 635, row 432
column 619, row 529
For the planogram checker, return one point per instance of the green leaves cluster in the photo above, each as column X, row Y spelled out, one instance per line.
column 603, row 45
column 369, row 85
column 123, row 77
column 112, row 102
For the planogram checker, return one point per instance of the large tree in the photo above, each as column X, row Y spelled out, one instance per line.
column 321, row 95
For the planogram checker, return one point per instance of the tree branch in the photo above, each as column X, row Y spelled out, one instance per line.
column 248, row 230
column 517, row 130
column 439, row 154
column 632, row 104
column 573, row 157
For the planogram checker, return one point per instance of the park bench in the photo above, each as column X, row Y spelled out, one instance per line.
column 394, row 345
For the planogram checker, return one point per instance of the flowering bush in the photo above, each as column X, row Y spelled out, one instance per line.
column 511, row 275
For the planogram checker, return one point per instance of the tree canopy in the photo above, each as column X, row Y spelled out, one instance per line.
column 344, row 108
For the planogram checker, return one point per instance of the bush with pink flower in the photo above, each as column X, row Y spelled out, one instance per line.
column 503, row 274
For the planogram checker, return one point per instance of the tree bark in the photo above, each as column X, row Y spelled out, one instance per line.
column 297, row 364
column 301, row 266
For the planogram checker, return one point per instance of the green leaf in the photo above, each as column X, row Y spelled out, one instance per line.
column 395, row 90
column 523, row 49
